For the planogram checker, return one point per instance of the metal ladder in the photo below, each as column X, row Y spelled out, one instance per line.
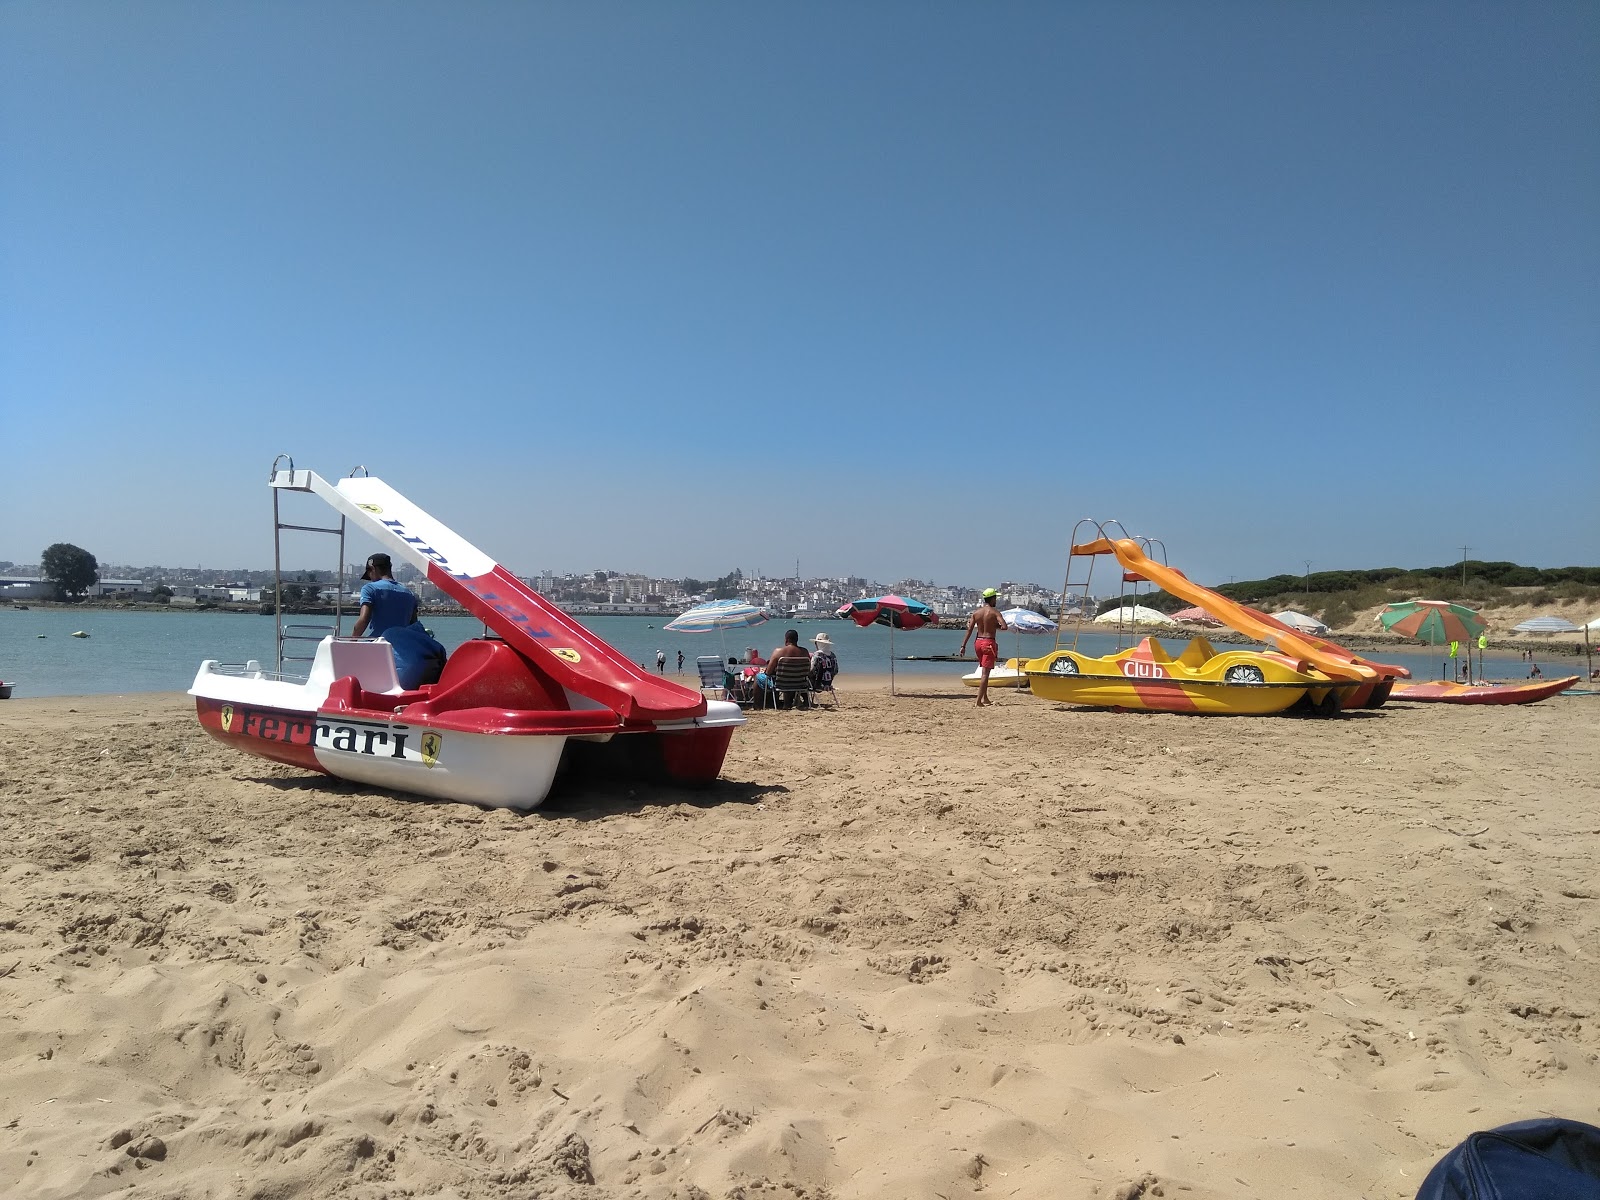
column 292, row 638
column 1153, row 548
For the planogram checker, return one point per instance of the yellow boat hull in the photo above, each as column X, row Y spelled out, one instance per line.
column 1146, row 678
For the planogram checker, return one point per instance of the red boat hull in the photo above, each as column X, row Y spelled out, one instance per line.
column 1444, row 692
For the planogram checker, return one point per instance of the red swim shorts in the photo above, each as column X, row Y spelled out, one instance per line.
column 986, row 651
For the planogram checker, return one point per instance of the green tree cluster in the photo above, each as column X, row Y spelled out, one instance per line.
column 71, row 568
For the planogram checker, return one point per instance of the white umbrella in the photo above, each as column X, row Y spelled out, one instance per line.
column 1546, row 625
column 1025, row 620
column 1299, row 620
column 1133, row 614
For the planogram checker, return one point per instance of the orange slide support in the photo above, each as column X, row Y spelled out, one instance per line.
column 1332, row 660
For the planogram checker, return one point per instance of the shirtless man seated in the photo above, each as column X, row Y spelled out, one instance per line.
column 985, row 621
column 791, row 648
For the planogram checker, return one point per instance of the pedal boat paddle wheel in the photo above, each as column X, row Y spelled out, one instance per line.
column 1296, row 671
column 536, row 693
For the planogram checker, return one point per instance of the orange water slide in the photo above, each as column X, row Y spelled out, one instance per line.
column 1332, row 660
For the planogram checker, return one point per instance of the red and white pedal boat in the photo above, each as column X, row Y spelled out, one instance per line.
column 508, row 709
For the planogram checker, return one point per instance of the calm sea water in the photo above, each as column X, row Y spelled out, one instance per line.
column 160, row 651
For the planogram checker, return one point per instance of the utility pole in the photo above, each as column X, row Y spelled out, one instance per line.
column 1464, row 550
column 1308, row 576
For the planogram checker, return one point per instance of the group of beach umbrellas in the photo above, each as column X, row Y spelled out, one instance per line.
column 897, row 612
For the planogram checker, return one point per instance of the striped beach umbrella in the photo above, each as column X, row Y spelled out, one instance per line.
column 1195, row 616
column 1025, row 620
column 719, row 616
column 897, row 612
column 1433, row 621
column 1546, row 625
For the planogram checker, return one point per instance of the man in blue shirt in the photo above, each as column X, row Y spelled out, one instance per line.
column 384, row 603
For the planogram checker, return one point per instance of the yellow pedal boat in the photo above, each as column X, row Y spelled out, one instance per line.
column 1237, row 682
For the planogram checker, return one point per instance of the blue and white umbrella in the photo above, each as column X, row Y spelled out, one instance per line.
column 1025, row 620
column 719, row 615
column 1546, row 625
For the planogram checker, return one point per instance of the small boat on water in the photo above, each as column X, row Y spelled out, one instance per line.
column 80, row 633
column 537, row 694
column 1443, row 691
column 1236, row 682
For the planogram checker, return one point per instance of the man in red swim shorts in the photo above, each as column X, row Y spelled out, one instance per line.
column 985, row 621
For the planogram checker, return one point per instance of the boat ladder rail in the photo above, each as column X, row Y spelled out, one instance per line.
column 291, row 638
column 1128, row 590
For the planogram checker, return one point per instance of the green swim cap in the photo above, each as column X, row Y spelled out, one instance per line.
column 989, row 593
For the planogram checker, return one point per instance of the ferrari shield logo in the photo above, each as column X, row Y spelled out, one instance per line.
column 430, row 748
column 227, row 718
column 567, row 653
column 371, row 508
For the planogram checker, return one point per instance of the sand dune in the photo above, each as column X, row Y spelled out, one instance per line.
column 906, row 949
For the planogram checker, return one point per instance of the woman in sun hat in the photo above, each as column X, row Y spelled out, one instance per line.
column 824, row 663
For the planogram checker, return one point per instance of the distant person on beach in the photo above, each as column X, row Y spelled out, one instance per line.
column 1535, row 673
column 985, row 621
column 680, row 662
column 384, row 603
column 661, row 662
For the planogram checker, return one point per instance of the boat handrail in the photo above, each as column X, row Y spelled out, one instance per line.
column 244, row 670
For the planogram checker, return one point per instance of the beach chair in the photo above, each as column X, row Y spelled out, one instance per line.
column 822, row 680
column 791, row 682
column 712, row 678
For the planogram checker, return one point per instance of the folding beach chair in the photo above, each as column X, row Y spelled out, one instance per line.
column 791, row 682
column 712, row 678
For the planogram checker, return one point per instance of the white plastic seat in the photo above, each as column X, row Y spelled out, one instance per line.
column 370, row 660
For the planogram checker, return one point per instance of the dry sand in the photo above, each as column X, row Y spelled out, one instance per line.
column 907, row 949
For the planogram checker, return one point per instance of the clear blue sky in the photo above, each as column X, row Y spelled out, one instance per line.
column 896, row 288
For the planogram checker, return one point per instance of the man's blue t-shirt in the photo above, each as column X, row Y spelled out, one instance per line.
column 391, row 604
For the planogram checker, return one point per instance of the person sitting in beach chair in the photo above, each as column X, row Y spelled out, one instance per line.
column 794, row 662
column 791, row 682
column 824, row 666
column 739, row 682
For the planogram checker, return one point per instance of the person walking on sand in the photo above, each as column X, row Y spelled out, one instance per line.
column 661, row 662
column 680, row 662
column 985, row 621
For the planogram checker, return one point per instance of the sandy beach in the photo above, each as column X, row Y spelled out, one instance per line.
column 905, row 949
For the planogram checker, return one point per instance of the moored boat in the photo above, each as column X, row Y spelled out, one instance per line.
column 1443, row 691
column 1200, row 680
column 1007, row 674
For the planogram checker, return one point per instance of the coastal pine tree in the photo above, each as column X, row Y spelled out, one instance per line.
column 71, row 568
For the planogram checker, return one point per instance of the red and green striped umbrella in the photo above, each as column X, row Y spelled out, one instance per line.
column 1433, row 621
